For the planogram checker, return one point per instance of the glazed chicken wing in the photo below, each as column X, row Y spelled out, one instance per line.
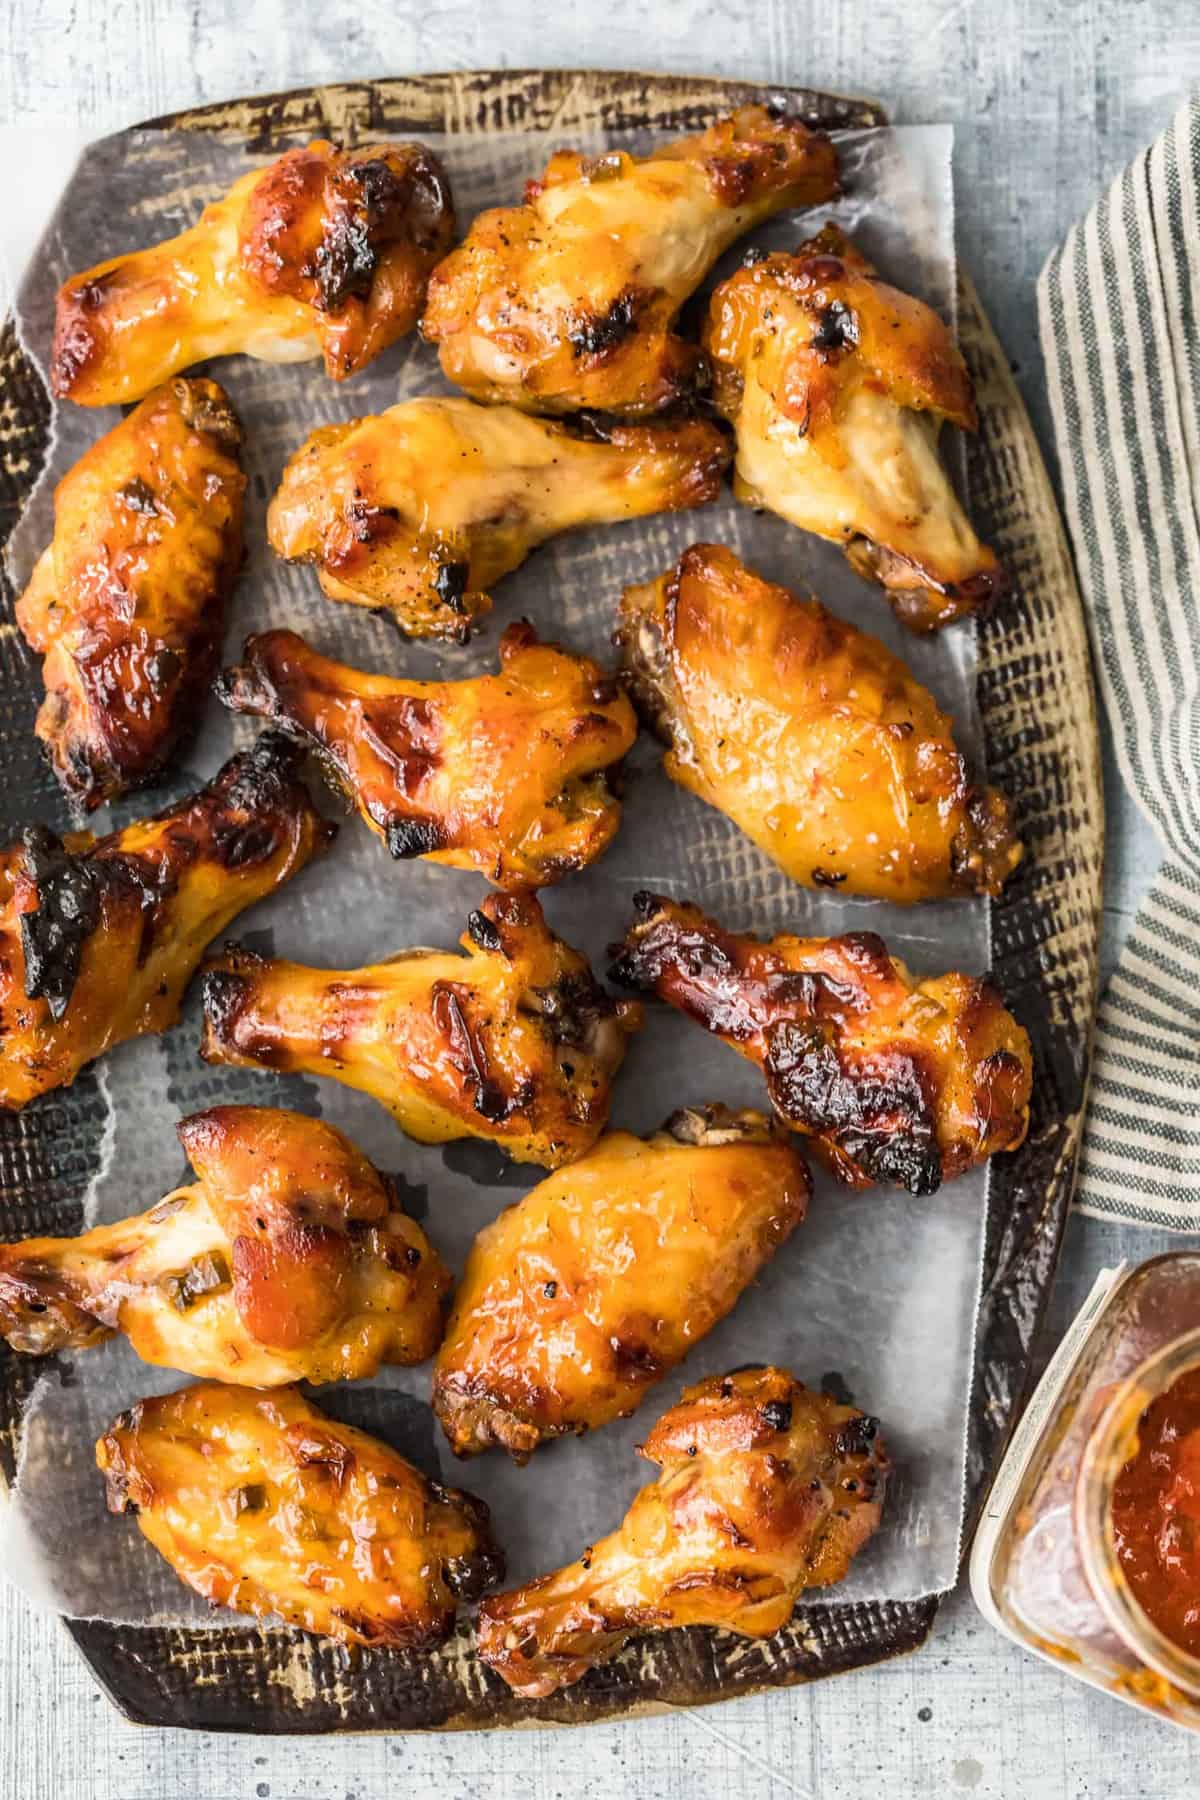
column 893, row 1079
column 99, row 937
column 127, row 604
column 288, row 1259
column 423, row 507
column 569, row 301
column 601, row 1280
column 507, row 774
column 515, row 1042
column 261, row 1503
column 837, row 385
column 767, row 1490
column 810, row 735
column 326, row 252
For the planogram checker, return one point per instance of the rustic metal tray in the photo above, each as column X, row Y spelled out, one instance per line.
column 1035, row 697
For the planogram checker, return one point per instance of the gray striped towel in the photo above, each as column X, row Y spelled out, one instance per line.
column 1119, row 306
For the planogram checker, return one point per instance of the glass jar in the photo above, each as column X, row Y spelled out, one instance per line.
column 1044, row 1567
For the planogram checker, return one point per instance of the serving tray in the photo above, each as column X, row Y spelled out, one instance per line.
column 1035, row 698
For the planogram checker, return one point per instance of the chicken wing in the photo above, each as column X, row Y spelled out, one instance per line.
column 767, row 1490
column 127, row 604
column 811, row 735
column 99, row 937
column 423, row 507
column 838, row 385
column 288, row 1259
column 325, row 252
column 569, row 301
column 507, row 774
column 892, row 1078
column 515, row 1041
column 601, row 1280
column 261, row 1503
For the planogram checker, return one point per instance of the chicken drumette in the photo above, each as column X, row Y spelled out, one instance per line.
column 766, row 1490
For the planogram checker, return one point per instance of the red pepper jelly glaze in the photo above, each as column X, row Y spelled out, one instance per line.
column 1156, row 1513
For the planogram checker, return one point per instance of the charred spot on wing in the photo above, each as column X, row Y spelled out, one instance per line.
column 857, row 1435
column 634, row 1360
column 450, row 584
column 777, row 1414
column 368, row 197
column 483, row 933
column 224, row 997
column 572, row 1007
column 412, row 837
column 598, row 334
column 837, row 329
column 53, row 933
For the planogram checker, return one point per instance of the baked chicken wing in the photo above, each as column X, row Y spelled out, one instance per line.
column 893, row 1079
column 766, row 1490
column 288, row 1259
column 422, row 508
column 127, row 604
column 810, row 735
column 507, row 774
column 601, row 1280
column 326, row 252
column 99, row 937
column 515, row 1042
column 261, row 1503
column 569, row 301
column 837, row 385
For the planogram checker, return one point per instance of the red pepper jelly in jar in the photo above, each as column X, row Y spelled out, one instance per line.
column 1156, row 1513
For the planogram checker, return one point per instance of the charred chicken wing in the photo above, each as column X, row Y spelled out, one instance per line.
column 515, row 1041
column 603, row 1278
column 892, row 1078
column 507, row 774
column 569, row 301
column 288, row 1259
column 99, row 937
column 423, row 507
column 127, row 604
column 811, row 735
column 767, row 1490
column 838, row 385
column 326, row 252
column 261, row 1503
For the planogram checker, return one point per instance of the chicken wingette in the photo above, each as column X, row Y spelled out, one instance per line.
column 570, row 300
column 891, row 1078
column 515, row 1041
column 605, row 1276
column 810, row 735
column 100, row 937
column 263, row 1504
column 837, row 386
column 507, row 773
column 767, row 1490
column 325, row 252
column 287, row 1259
column 127, row 603
column 422, row 508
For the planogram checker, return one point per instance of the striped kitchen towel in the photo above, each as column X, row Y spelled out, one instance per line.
column 1119, row 308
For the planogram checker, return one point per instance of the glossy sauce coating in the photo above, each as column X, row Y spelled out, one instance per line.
column 502, row 773
column 1156, row 1513
column 811, row 735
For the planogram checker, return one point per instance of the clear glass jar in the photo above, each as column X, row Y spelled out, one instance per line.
column 1044, row 1567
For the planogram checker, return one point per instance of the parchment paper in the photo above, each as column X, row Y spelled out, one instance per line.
column 878, row 1290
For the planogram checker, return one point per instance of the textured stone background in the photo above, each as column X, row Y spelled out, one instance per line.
column 1051, row 98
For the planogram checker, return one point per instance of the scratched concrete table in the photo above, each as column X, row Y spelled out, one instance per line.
column 1050, row 101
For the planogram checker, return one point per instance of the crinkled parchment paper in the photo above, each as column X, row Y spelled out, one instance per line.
column 877, row 1289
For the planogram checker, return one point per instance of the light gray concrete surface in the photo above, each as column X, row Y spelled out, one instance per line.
column 1050, row 101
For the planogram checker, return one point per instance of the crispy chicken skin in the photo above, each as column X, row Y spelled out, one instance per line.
column 288, row 1259
column 261, row 1503
column 837, row 385
column 767, row 1490
column 326, row 252
column 127, row 604
column 601, row 1280
column 568, row 301
column 892, row 1079
column 515, row 1042
column 422, row 508
column 810, row 735
column 507, row 773
column 99, row 937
